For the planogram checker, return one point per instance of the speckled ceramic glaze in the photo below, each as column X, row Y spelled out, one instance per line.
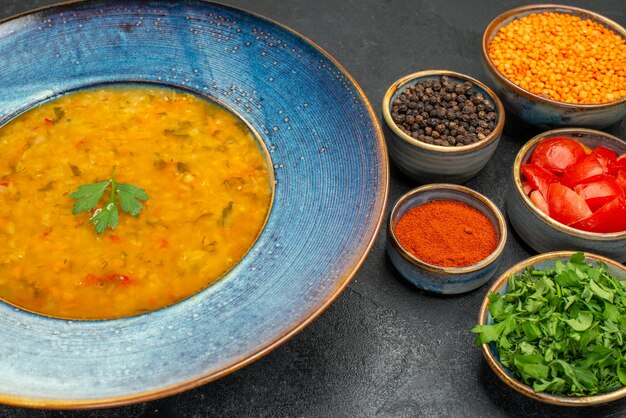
column 331, row 173
column 538, row 110
column 501, row 285
column 437, row 279
column 543, row 233
column 426, row 163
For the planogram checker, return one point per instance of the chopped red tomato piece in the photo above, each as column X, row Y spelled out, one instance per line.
column 537, row 198
column 527, row 188
column 621, row 179
column 585, row 170
column 565, row 205
column 609, row 218
column 114, row 278
column 600, row 191
column 538, row 178
column 125, row 280
column 606, row 157
column 556, row 154
column 620, row 163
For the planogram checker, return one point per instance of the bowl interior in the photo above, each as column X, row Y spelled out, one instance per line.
column 501, row 285
column 431, row 193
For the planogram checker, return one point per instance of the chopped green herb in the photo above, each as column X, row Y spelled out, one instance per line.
column 561, row 331
column 226, row 212
column 159, row 163
column 88, row 196
column 75, row 170
column 59, row 113
column 182, row 167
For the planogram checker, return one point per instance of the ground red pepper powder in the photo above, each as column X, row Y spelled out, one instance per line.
column 447, row 233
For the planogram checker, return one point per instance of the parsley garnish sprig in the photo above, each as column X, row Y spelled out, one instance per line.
column 88, row 196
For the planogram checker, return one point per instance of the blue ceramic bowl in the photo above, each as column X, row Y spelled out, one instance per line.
column 543, row 233
column 438, row 279
column 537, row 110
column 331, row 177
column 426, row 163
column 543, row 262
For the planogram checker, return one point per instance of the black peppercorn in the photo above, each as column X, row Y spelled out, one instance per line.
column 444, row 112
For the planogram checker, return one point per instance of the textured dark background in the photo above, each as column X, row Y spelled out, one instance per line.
column 383, row 348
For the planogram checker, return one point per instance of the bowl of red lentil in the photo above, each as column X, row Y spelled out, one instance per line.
column 441, row 126
column 446, row 238
column 556, row 66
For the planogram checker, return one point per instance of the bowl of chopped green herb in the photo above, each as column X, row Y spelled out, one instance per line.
column 553, row 328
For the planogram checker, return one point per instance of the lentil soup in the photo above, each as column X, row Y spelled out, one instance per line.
column 209, row 188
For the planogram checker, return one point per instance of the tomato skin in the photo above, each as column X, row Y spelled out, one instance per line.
column 584, row 171
column 539, row 178
column 611, row 217
column 621, row 179
column 540, row 202
column 606, row 157
column 556, row 154
column 565, row 205
column 600, row 191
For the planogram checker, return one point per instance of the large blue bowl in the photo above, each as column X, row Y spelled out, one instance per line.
column 331, row 172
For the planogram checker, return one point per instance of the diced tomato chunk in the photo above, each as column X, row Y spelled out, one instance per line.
column 609, row 218
column 620, row 163
column 565, row 205
column 621, row 179
column 538, row 178
column 606, row 157
column 599, row 191
column 526, row 187
column 585, row 170
column 556, row 154
column 540, row 202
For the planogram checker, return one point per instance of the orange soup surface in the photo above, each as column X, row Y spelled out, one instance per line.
column 206, row 176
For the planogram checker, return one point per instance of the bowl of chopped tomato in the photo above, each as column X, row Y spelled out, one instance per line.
column 569, row 192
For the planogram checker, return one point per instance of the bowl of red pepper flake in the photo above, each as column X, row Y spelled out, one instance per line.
column 446, row 238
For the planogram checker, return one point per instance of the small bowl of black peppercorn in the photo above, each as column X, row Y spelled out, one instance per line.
column 441, row 126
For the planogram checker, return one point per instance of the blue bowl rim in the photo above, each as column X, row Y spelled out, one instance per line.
column 500, row 370
column 517, row 180
column 455, row 188
column 517, row 12
column 495, row 134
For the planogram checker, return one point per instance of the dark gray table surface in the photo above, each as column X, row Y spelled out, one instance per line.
column 383, row 348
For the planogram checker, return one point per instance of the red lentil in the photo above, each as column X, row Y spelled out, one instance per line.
column 562, row 57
